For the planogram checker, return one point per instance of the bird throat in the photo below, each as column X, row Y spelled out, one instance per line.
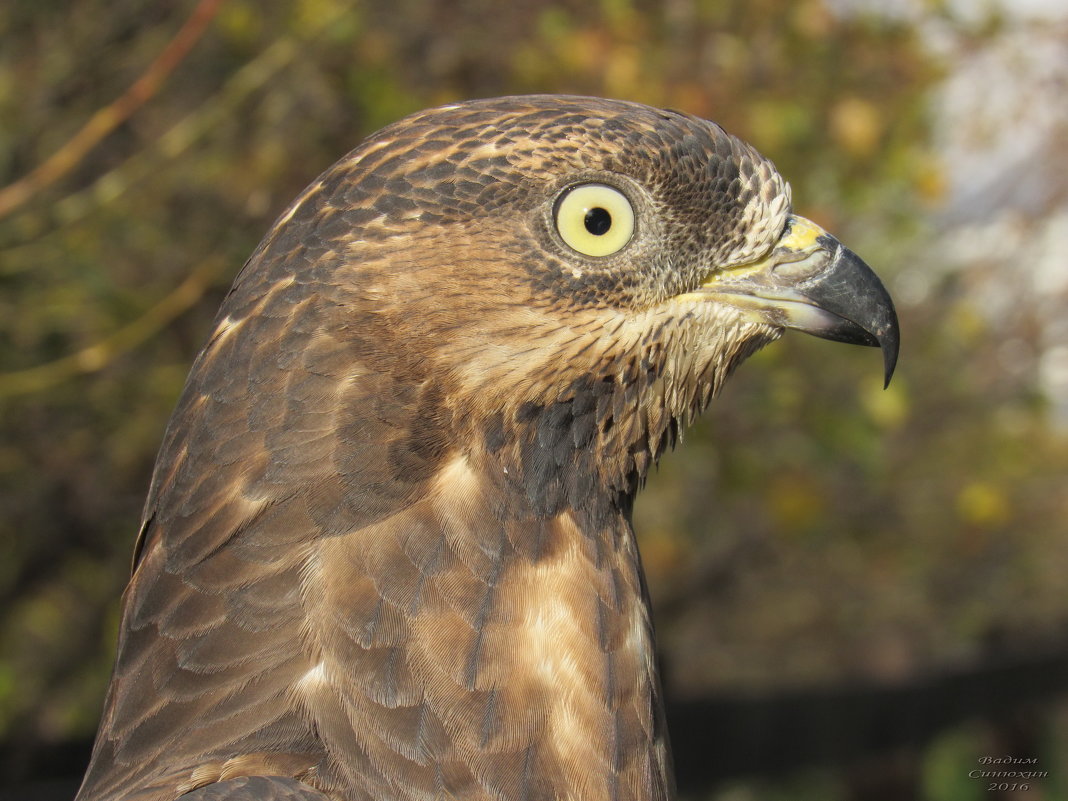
column 508, row 607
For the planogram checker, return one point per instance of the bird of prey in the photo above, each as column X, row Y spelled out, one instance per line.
column 387, row 552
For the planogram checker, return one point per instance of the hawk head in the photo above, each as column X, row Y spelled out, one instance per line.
column 522, row 250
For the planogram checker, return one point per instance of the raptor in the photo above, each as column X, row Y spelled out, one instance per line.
column 387, row 552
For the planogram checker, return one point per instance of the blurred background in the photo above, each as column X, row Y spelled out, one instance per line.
column 859, row 594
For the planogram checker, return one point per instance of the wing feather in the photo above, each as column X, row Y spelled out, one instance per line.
column 257, row 788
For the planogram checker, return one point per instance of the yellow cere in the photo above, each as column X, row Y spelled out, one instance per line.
column 595, row 219
column 801, row 238
column 802, row 235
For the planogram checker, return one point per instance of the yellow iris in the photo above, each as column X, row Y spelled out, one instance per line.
column 595, row 219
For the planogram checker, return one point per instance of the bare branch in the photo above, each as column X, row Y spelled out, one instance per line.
column 187, row 132
column 111, row 116
column 102, row 353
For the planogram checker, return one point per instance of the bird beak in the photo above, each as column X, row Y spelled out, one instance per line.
column 812, row 282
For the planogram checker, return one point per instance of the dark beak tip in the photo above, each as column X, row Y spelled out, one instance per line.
column 854, row 291
column 889, row 342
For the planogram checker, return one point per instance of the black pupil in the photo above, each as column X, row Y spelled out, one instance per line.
column 598, row 221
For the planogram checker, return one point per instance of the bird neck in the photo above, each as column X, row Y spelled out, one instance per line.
column 508, row 607
column 549, row 489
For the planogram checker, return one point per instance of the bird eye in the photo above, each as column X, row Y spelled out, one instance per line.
column 594, row 219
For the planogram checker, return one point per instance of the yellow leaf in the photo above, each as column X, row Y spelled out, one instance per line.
column 983, row 503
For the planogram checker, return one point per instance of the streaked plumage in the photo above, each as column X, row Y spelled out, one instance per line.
column 386, row 553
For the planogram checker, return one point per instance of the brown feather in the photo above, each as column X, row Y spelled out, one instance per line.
column 387, row 548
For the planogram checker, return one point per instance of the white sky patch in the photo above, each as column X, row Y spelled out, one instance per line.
column 1001, row 137
column 970, row 11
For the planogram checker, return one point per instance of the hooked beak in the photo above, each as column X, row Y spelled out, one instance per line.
column 811, row 282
